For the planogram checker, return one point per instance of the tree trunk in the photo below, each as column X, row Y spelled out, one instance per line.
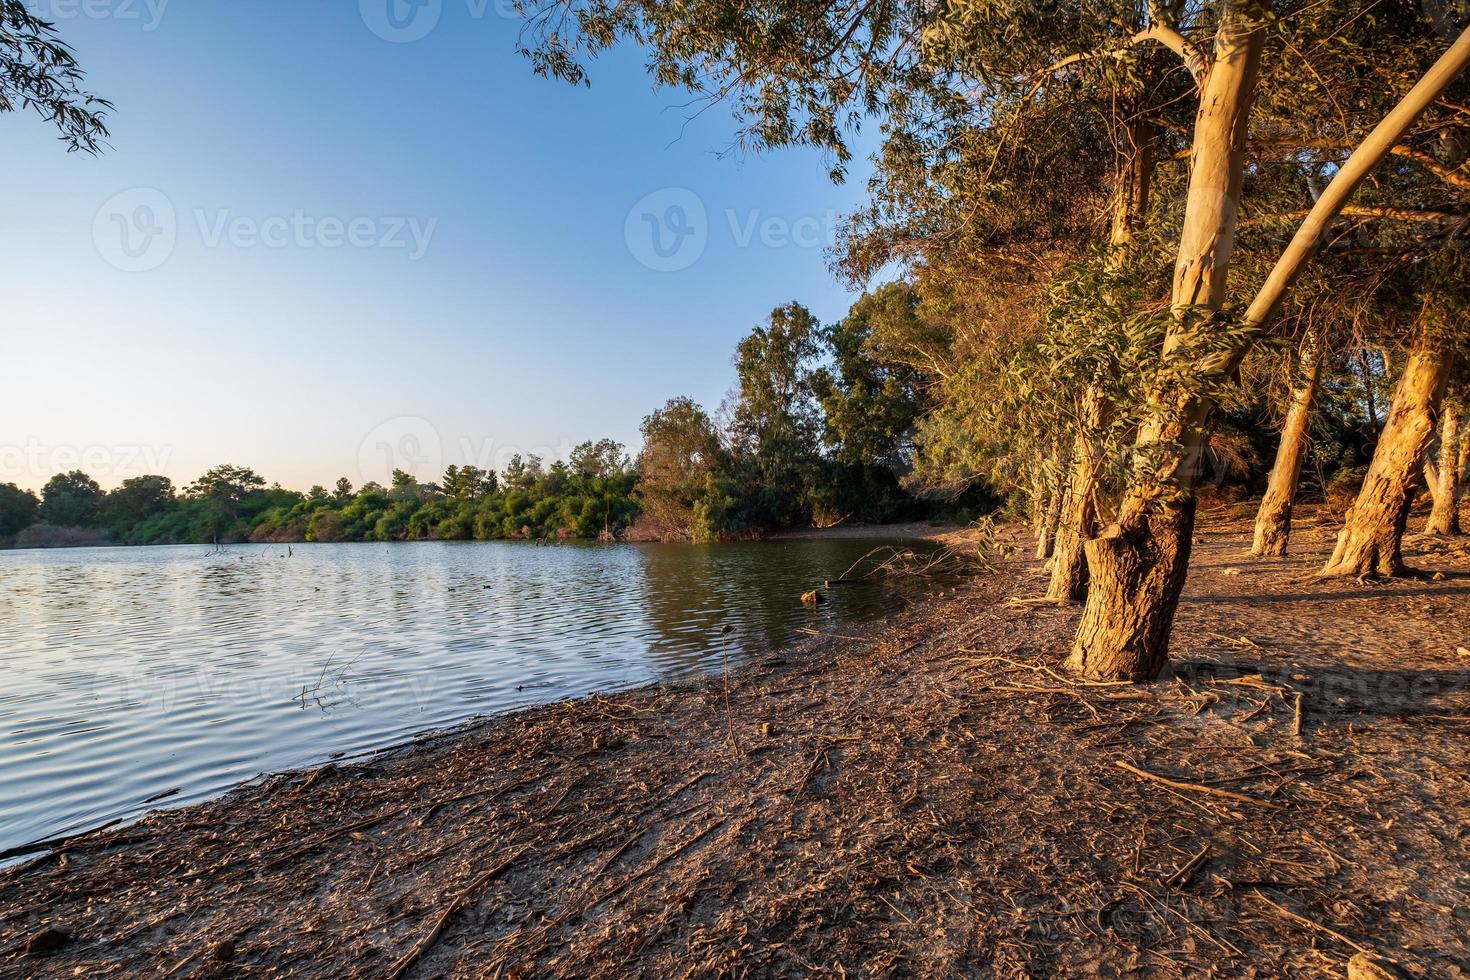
column 1079, row 517
column 1371, row 537
column 1369, row 379
column 1464, row 466
column 1046, row 532
column 1444, row 518
column 1133, row 564
column 1040, row 505
column 1273, row 520
column 1137, row 567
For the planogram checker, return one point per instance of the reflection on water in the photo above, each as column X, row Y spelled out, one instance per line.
column 132, row 672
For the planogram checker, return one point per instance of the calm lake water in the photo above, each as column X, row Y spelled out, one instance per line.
column 133, row 672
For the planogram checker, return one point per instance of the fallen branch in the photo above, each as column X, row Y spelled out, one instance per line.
column 1181, row 877
column 1192, row 787
column 1303, row 920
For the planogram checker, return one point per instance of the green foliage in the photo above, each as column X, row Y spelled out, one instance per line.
column 468, row 482
column 18, row 509
column 678, row 489
column 70, row 499
column 869, row 406
column 136, row 500
column 775, row 426
column 38, row 72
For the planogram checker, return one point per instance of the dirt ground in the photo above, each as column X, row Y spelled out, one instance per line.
column 930, row 800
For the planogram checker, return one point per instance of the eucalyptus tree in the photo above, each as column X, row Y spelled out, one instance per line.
column 776, row 424
column 1413, row 207
column 1370, row 542
column 1445, row 477
column 991, row 196
column 39, row 72
column 870, row 408
column 1346, row 304
column 678, row 468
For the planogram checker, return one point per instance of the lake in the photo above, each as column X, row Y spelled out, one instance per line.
column 130, row 673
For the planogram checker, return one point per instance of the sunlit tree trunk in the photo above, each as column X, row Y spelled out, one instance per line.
column 1046, row 531
column 1137, row 566
column 1273, row 520
column 1079, row 516
column 1078, row 520
column 1464, row 466
column 1371, row 538
column 1444, row 517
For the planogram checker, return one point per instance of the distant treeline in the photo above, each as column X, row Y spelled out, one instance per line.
column 815, row 431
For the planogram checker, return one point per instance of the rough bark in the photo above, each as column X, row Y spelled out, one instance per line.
column 1137, row 567
column 1370, row 541
column 1038, row 511
column 1444, row 517
column 1273, row 520
column 1133, row 565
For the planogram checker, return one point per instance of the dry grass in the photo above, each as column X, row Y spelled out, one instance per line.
column 935, row 799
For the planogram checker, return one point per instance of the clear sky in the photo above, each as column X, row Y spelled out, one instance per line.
column 321, row 245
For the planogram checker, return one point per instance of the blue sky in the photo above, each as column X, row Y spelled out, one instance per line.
column 316, row 251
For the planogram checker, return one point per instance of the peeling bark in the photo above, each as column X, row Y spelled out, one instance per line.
column 1133, row 564
column 1464, row 461
column 1371, row 538
column 1273, row 520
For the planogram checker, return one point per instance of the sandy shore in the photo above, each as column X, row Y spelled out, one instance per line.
column 930, row 799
